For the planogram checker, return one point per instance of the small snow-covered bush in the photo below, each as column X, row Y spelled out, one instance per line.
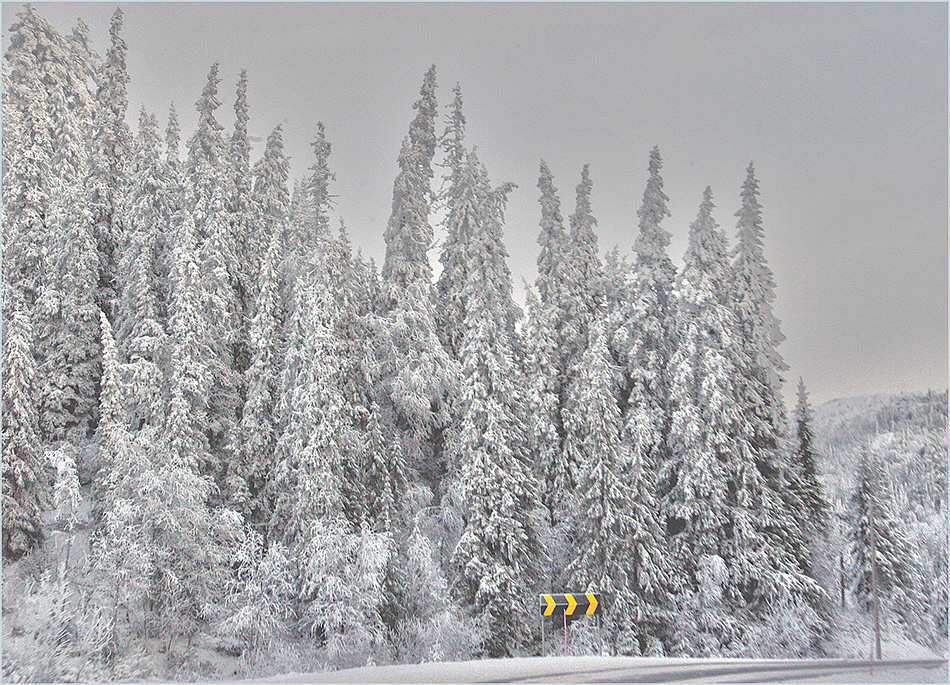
column 260, row 601
column 787, row 632
column 343, row 588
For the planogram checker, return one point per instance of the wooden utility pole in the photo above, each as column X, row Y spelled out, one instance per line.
column 877, row 603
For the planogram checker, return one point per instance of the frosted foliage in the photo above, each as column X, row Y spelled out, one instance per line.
column 641, row 327
column 409, row 234
column 67, row 499
column 619, row 546
column 653, row 240
column 899, row 570
column 160, row 541
column 342, row 587
column 316, row 435
column 260, row 597
column 410, row 359
column 498, row 554
column 435, row 630
column 23, row 478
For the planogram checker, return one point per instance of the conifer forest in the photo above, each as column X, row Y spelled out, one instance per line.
column 227, row 432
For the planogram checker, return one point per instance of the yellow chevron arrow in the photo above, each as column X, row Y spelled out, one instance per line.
column 593, row 604
column 551, row 604
column 571, row 605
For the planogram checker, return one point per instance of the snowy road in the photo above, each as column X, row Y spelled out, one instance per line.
column 639, row 670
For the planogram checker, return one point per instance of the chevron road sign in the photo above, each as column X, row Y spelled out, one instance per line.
column 571, row 605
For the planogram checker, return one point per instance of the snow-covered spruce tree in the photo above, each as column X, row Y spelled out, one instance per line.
column 617, row 270
column 24, row 482
column 46, row 118
column 547, row 349
column 458, row 199
column 318, row 186
column 385, row 475
column 313, row 432
column 139, row 314
column 414, row 375
column 221, row 320
column 205, row 167
column 582, row 307
column 498, row 557
column 585, row 300
column 175, row 201
column 804, row 460
column 760, row 334
column 191, row 380
column 762, row 368
column 719, row 511
column 640, row 327
column 621, row 550
column 899, row 576
column 699, row 480
column 67, row 328
column 273, row 204
column 258, row 428
column 552, row 260
column 248, row 245
column 408, row 234
column 110, row 156
column 28, row 180
column 415, row 383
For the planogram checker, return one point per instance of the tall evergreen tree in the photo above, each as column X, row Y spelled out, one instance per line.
column 585, row 301
column 111, row 154
column 314, row 433
column 498, row 554
column 258, row 428
column 621, row 550
column 698, row 477
column 549, row 351
column 206, row 164
column 755, row 294
column 67, row 329
column 191, row 381
column 458, row 198
column 248, row 246
column 582, row 308
column 899, row 576
column 47, row 110
column 23, row 478
column 319, row 185
column 641, row 327
column 408, row 234
column 727, row 524
column 141, row 307
column 804, row 461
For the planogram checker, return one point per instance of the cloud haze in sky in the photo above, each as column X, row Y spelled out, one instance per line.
column 842, row 108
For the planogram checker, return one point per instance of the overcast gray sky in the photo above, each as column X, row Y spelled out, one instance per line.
column 842, row 108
